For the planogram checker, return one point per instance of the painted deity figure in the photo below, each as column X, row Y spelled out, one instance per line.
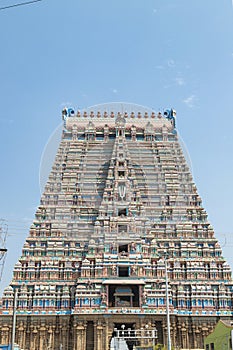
column 114, row 270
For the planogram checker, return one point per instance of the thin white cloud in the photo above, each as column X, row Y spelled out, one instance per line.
column 115, row 91
column 170, row 63
column 190, row 101
column 179, row 81
column 155, row 10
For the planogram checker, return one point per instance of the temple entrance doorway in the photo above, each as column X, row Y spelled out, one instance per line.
column 121, row 344
column 127, row 337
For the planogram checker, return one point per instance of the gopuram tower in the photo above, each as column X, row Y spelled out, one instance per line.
column 120, row 203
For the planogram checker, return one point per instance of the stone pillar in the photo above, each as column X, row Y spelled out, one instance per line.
column 35, row 339
column 204, row 332
column 99, row 336
column 84, row 335
column 197, row 337
column 143, row 341
column 190, row 337
column 164, row 328
column 174, row 335
column 108, row 334
column 184, row 335
column 21, row 335
column 57, row 337
column 194, row 336
column 53, row 327
column 64, row 336
column 5, row 334
column 81, row 336
column 178, row 335
column 29, row 337
column 50, row 338
column 43, row 338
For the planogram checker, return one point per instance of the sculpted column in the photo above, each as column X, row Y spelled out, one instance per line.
column 64, row 336
column 5, row 334
column 184, row 335
column 21, row 334
column 81, row 336
column 194, row 336
column 197, row 336
column 29, row 337
column 34, row 339
column 174, row 335
column 50, row 337
column 204, row 332
column 108, row 334
column 99, row 336
column 164, row 328
column 43, row 338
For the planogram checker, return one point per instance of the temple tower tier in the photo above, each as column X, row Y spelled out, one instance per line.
column 119, row 201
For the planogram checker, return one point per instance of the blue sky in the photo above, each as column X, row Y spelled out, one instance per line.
column 160, row 53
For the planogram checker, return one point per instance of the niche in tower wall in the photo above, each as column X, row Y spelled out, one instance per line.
column 123, row 271
column 122, row 229
column 123, row 295
column 122, row 212
column 123, row 248
column 121, row 174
